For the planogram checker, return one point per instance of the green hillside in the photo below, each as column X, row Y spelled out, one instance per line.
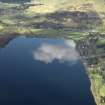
column 72, row 15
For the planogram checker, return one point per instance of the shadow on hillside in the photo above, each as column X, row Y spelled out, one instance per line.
column 69, row 20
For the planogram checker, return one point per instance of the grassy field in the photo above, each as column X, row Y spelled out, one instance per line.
column 53, row 5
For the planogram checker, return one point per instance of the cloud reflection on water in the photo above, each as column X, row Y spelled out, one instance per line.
column 47, row 53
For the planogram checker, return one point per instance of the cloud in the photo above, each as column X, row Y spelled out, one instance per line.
column 70, row 43
column 47, row 53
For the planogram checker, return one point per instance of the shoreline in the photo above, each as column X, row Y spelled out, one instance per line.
column 91, row 83
column 93, row 92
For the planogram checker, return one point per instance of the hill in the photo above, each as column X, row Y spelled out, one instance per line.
column 72, row 15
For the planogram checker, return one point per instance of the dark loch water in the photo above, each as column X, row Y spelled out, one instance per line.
column 37, row 71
